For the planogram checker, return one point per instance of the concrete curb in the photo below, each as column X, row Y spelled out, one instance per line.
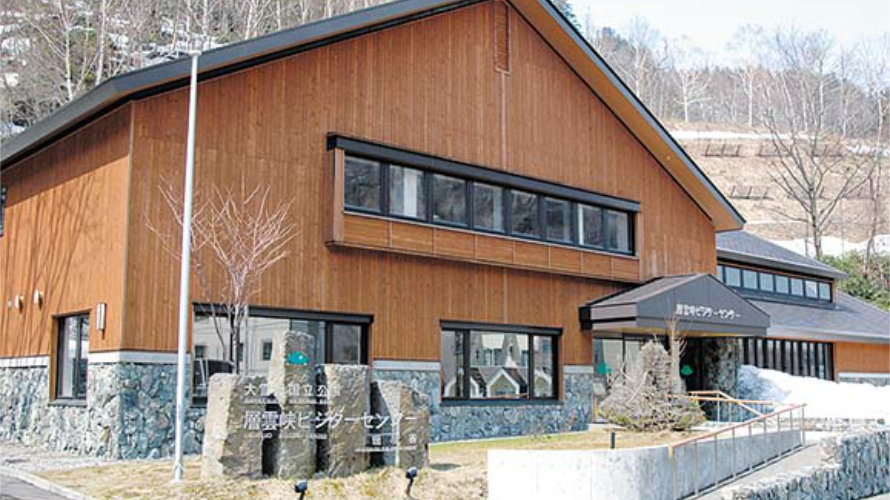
column 43, row 484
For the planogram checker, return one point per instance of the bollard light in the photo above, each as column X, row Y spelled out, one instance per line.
column 302, row 487
column 612, row 440
column 410, row 474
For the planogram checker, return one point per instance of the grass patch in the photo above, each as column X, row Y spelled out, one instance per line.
column 457, row 471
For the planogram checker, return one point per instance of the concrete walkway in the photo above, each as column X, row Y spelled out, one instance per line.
column 15, row 489
column 809, row 455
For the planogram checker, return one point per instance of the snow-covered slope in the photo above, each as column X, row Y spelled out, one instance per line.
column 824, row 399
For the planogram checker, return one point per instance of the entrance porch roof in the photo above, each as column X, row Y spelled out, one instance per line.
column 700, row 304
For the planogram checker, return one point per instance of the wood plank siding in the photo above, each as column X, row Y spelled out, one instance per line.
column 855, row 357
column 64, row 236
column 433, row 86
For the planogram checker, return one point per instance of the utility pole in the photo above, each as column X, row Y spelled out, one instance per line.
column 184, row 271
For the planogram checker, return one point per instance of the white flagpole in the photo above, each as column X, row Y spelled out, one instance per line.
column 184, row 271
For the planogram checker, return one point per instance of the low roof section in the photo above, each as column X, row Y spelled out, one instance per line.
column 746, row 248
column 552, row 25
column 848, row 319
column 701, row 305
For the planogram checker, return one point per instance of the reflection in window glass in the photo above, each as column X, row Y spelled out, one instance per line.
column 607, row 354
column 543, row 379
column 617, row 231
column 797, row 287
column 524, row 214
column 767, row 283
column 782, row 285
column 749, row 279
column 488, row 207
column 362, row 178
column 452, row 364
column 267, row 351
column 346, row 344
column 824, row 291
column 632, row 358
column 558, row 217
column 720, row 272
column 812, row 289
column 496, row 365
column 407, row 196
column 71, row 357
column 449, row 199
column 590, row 226
column 733, row 276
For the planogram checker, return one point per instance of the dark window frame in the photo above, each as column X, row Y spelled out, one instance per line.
column 800, row 358
column 724, row 268
column 624, row 207
column 79, row 394
column 466, row 329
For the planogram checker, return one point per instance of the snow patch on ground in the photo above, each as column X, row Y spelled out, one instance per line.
column 835, row 246
column 824, row 398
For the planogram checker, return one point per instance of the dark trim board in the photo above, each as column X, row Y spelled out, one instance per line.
column 410, row 158
column 280, row 312
column 499, row 327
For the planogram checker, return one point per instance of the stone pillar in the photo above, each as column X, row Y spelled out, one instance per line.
column 292, row 383
column 341, row 419
column 233, row 435
column 405, row 425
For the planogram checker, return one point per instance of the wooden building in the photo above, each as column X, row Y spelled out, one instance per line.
column 463, row 177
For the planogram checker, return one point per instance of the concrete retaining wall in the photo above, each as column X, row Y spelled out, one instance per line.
column 855, row 465
column 628, row 474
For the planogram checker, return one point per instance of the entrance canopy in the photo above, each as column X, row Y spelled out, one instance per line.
column 698, row 302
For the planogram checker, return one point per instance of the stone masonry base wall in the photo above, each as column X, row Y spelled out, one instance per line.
column 855, row 465
column 471, row 420
column 128, row 412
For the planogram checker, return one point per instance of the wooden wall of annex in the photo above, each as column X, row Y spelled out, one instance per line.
column 853, row 357
column 64, row 236
column 429, row 86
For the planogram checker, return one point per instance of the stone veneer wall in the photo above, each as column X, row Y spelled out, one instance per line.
column 473, row 420
column 128, row 412
column 855, row 465
column 721, row 359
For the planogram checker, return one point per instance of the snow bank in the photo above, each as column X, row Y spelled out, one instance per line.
column 835, row 246
column 824, row 399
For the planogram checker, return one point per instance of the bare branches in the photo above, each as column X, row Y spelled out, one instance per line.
column 237, row 235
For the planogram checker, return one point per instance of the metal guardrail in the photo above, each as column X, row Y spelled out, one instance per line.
column 736, row 407
column 731, row 430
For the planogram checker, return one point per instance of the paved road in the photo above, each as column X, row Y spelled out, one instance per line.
column 14, row 489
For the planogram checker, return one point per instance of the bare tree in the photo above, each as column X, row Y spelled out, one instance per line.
column 690, row 74
column 237, row 236
column 813, row 165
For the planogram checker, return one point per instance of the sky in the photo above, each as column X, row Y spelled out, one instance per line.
column 711, row 24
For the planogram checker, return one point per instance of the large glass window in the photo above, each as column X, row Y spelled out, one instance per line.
column 774, row 284
column 449, row 200
column 71, row 357
column 524, row 212
column 733, row 276
column 767, row 282
column 558, row 215
column 414, row 193
column 488, row 207
column 617, row 231
column 407, row 193
column 749, row 279
column 336, row 342
column 783, row 285
column 590, row 226
column 362, row 184
column 801, row 358
column 812, row 289
column 480, row 364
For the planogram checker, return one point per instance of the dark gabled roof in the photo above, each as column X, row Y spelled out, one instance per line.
column 551, row 24
column 744, row 247
column 849, row 319
column 699, row 301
